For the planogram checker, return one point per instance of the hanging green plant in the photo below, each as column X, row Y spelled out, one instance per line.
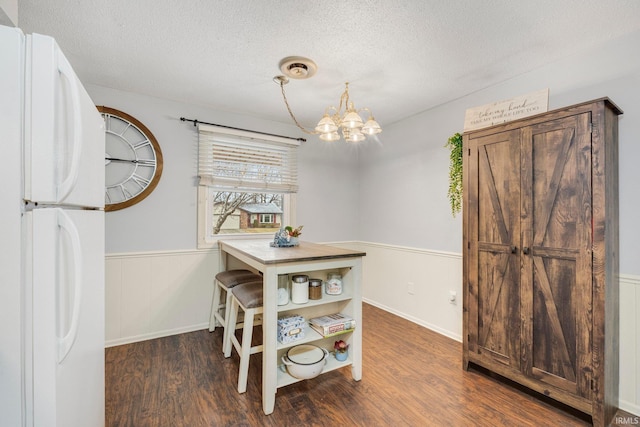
column 455, row 173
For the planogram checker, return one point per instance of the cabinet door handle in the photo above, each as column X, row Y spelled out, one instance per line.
column 525, row 250
column 514, row 249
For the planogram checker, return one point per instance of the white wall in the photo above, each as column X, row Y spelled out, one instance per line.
column 9, row 12
column 166, row 219
column 415, row 284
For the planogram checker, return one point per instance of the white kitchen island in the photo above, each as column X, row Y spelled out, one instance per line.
column 316, row 261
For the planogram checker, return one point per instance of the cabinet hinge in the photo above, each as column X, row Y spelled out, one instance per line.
column 468, row 245
column 593, row 385
column 469, row 152
column 590, row 127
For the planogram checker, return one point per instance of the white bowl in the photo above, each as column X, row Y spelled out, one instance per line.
column 305, row 361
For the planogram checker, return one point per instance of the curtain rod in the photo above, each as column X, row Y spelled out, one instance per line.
column 195, row 123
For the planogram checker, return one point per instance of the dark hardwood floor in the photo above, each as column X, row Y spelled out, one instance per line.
column 411, row 377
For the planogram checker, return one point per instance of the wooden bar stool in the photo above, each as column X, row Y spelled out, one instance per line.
column 247, row 297
column 225, row 281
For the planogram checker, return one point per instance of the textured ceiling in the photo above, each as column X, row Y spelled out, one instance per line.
column 401, row 57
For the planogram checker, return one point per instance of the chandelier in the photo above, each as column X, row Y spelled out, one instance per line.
column 345, row 118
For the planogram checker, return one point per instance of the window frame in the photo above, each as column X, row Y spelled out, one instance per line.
column 207, row 188
column 208, row 240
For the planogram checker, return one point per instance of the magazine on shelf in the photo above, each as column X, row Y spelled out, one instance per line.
column 329, row 333
column 332, row 324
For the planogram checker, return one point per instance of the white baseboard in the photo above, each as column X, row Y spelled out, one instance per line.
column 630, row 408
column 415, row 320
column 154, row 335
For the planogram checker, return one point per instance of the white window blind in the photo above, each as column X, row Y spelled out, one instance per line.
column 243, row 161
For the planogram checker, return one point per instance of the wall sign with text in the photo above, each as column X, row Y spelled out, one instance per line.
column 507, row 110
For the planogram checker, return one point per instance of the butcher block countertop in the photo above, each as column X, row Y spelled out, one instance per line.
column 261, row 251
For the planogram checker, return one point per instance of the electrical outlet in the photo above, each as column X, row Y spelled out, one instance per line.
column 411, row 289
column 453, row 297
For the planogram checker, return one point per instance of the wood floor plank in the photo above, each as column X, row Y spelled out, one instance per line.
column 411, row 377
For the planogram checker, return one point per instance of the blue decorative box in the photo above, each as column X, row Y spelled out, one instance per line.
column 291, row 328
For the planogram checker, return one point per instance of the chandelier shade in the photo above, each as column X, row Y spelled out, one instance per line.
column 353, row 135
column 371, row 127
column 326, row 125
column 352, row 119
column 330, row 136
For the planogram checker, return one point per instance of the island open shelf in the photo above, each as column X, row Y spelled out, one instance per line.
column 284, row 379
column 307, row 258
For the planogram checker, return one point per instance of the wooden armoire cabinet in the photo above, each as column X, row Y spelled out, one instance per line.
column 540, row 254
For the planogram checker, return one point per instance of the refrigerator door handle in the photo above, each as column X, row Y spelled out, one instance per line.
column 67, row 185
column 66, row 342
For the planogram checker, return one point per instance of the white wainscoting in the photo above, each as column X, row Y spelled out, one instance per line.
column 415, row 284
column 630, row 343
column 155, row 294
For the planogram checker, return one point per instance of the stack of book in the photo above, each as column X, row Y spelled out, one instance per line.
column 332, row 324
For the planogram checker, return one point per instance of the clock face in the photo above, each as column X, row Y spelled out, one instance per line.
column 133, row 160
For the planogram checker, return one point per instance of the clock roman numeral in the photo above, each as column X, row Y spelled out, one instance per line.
column 107, row 122
column 141, row 181
column 125, row 193
column 146, row 162
column 141, row 144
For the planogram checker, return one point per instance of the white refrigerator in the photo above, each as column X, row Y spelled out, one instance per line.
column 51, row 239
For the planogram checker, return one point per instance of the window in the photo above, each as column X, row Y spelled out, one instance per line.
column 247, row 183
column 240, row 213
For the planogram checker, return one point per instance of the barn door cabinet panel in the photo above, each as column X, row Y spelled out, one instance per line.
column 540, row 254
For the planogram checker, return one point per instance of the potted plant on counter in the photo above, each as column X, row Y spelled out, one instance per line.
column 293, row 233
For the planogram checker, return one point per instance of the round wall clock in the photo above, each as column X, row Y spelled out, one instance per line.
column 133, row 160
